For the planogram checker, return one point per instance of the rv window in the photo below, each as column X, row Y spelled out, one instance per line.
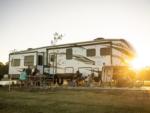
column 40, row 60
column 90, row 52
column 105, row 51
column 69, row 53
column 15, row 62
column 29, row 60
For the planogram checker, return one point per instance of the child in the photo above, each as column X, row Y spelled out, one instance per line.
column 23, row 77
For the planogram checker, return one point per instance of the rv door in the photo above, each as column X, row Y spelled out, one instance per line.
column 52, row 62
column 40, row 62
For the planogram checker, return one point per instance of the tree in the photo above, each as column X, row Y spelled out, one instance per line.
column 56, row 37
column 1, row 64
column 3, row 69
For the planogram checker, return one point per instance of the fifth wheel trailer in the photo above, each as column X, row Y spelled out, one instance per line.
column 64, row 60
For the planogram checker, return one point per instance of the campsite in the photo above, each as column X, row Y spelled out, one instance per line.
column 74, row 56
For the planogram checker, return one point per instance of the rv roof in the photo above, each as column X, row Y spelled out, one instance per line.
column 95, row 41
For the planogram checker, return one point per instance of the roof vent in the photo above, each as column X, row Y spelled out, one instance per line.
column 99, row 38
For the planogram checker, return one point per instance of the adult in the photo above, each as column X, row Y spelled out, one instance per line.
column 100, row 78
column 28, row 71
column 34, row 71
column 32, row 77
column 87, row 81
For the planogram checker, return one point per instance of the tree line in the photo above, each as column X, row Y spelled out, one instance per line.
column 144, row 73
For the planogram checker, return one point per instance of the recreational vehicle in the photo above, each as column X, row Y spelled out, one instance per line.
column 87, row 58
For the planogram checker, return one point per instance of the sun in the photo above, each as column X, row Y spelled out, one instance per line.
column 141, row 57
column 138, row 63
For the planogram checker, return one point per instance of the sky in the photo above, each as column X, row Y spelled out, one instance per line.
column 32, row 23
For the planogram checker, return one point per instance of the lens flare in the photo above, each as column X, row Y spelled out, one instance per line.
column 138, row 63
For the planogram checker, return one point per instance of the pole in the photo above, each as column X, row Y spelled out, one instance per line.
column 10, row 77
column 9, row 83
column 56, row 64
column 111, row 60
column 53, row 67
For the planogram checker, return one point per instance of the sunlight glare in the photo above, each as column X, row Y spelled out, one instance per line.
column 138, row 63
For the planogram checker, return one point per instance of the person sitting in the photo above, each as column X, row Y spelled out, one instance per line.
column 34, row 76
column 23, row 77
column 28, row 71
column 34, row 71
column 38, row 78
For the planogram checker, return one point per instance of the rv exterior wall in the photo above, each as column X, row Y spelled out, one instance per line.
column 17, row 69
column 80, row 61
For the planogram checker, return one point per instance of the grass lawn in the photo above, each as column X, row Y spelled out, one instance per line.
column 74, row 101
